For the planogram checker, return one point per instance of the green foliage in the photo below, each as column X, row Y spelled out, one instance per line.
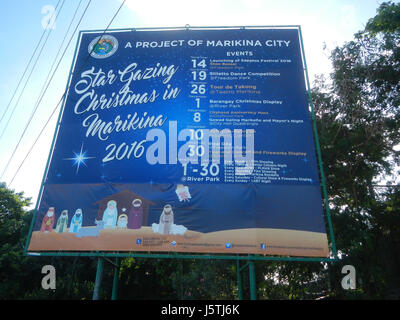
column 13, row 230
column 146, row 279
column 386, row 20
column 204, row 279
column 21, row 275
column 358, row 124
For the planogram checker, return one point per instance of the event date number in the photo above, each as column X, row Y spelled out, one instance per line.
column 124, row 151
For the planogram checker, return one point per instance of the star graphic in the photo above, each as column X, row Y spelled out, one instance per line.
column 79, row 158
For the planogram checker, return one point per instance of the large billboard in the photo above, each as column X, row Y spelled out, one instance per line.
column 184, row 140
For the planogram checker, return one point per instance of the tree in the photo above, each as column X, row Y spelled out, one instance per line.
column 358, row 123
column 13, row 229
column 21, row 275
column 357, row 112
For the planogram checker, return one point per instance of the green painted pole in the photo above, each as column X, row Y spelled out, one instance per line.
column 99, row 276
column 252, row 278
column 114, row 295
column 314, row 123
column 239, row 280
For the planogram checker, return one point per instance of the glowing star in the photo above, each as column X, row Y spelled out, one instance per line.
column 79, row 158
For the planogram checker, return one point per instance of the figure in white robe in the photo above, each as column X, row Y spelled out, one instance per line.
column 110, row 215
column 166, row 220
column 166, row 225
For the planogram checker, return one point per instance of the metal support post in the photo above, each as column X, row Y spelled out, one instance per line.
column 252, row 278
column 99, row 276
column 239, row 280
column 114, row 295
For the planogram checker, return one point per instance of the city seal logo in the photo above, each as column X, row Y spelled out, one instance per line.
column 103, row 46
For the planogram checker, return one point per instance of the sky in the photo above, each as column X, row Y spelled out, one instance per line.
column 326, row 23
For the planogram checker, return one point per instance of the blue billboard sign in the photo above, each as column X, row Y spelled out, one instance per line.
column 187, row 141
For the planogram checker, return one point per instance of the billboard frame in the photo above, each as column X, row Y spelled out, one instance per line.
column 173, row 254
